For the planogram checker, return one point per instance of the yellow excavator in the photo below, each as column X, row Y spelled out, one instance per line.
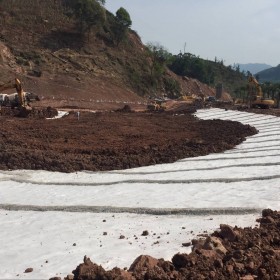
column 255, row 95
column 157, row 105
column 19, row 100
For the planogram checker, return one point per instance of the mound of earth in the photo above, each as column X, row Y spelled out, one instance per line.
column 229, row 253
column 29, row 112
column 115, row 140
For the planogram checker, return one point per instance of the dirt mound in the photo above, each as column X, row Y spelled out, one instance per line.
column 230, row 253
column 116, row 140
column 126, row 108
column 29, row 112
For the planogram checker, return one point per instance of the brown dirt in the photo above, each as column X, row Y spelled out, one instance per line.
column 112, row 140
column 230, row 253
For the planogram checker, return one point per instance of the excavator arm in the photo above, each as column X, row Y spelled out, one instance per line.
column 18, row 86
column 253, row 83
column 256, row 99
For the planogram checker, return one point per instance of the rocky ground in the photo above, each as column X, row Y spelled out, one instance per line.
column 230, row 253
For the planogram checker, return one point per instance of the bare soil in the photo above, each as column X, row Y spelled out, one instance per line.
column 118, row 139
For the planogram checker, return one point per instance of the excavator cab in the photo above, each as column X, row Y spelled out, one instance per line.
column 16, row 100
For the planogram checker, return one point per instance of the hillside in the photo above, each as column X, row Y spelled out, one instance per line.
column 270, row 75
column 43, row 46
column 213, row 73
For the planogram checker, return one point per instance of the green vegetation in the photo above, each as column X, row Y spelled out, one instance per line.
column 121, row 26
column 87, row 12
column 158, row 56
column 271, row 90
column 206, row 71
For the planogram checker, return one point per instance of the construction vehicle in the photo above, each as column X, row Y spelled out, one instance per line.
column 157, row 105
column 255, row 95
column 16, row 100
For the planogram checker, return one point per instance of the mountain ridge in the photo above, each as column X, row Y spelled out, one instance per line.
column 270, row 75
column 253, row 68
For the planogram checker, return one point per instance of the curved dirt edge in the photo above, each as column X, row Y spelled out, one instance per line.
column 113, row 141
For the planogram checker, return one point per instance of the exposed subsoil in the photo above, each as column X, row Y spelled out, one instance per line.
column 230, row 253
column 112, row 140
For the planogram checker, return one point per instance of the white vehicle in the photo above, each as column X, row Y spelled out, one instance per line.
column 4, row 99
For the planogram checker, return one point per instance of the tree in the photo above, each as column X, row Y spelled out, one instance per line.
column 159, row 56
column 87, row 12
column 123, row 17
column 123, row 22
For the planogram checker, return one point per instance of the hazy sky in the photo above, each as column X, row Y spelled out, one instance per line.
column 243, row 31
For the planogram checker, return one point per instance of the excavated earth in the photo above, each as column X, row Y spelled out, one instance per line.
column 118, row 139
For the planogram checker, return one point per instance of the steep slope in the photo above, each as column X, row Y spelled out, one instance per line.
column 44, row 47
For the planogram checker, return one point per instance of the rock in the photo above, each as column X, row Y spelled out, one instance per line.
column 214, row 243
column 180, row 260
column 229, row 268
column 88, row 268
column 210, row 243
column 143, row 263
column 267, row 212
column 55, row 278
column 187, row 244
column 267, row 220
column 145, row 233
column 70, row 277
column 198, row 244
column 238, row 254
column 118, row 274
column 211, row 254
column 227, row 232
column 218, row 263
column 28, row 270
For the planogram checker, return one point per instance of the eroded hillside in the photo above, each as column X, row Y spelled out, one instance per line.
column 44, row 47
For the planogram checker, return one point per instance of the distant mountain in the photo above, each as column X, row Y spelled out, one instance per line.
column 270, row 75
column 253, row 67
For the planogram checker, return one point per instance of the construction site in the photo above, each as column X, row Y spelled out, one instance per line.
column 111, row 160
